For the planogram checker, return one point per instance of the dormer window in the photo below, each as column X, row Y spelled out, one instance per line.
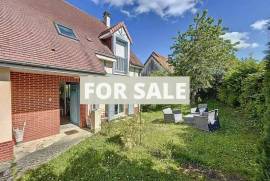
column 121, row 53
column 65, row 31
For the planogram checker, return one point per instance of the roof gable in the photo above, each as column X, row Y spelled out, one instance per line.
column 161, row 60
column 110, row 31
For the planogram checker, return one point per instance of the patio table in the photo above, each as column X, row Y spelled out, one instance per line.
column 189, row 118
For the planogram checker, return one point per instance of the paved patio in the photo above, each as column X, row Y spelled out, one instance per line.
column 32, row 154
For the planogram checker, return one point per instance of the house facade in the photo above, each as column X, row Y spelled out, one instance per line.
column 156, row 62
column 45, row 47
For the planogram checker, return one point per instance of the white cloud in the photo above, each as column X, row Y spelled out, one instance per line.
column 117, row 2
column 164, row 8
column 194, row 10
column 242, row 38
column 260, row 24
column 254, row 45
column 127, row 13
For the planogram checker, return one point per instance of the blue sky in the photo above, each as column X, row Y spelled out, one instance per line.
column 153, row 23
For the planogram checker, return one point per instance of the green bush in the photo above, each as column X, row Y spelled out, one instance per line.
column 265, row 146
column 130, row 132
column 252, row 98
column 231, row 89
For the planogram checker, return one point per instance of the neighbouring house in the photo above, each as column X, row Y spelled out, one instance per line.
column 45, row 46
column 156, row 62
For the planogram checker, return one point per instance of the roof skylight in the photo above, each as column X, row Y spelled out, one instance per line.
column 65, row 31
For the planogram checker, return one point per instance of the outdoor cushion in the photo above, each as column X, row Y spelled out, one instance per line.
column 168, row 115
column 201, row 110
column 211, row 117
column 178, row 117
column 167, row 111
column 193, row 110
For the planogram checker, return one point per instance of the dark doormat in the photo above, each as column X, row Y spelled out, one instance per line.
column 71, row 132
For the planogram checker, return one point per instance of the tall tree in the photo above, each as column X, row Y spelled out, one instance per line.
column 202, row 53
column 265, row 159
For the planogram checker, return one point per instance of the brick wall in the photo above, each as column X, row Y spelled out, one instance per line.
column 6, row 151
column 102, row 108
column 83, row 115
column 35, row 99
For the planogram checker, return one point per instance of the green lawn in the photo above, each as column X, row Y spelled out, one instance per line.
column 167, row 152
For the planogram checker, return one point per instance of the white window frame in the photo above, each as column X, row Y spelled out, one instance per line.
column 118, row 109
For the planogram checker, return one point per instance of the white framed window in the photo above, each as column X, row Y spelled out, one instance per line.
column 121, row 53
column 120, row 49
column 118, row 108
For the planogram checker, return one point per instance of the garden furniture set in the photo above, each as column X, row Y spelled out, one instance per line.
column 199, row 117
column 172, row 115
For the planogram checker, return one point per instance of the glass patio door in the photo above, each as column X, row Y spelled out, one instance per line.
column 75, row 104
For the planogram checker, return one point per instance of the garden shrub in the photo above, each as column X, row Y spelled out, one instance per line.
column 164, row 151
column 265, row 146
column 130, row 131
column 127, row 134
column 231, row 89
column 252, row 99
column 185, row 109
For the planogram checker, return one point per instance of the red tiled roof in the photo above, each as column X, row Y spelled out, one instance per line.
column 116, row 28
column 163, row 61
column 28, row 35
column 134, row 60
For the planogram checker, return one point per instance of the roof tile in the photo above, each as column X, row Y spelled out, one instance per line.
column 134, row 60
column 28, row 35
column 163, row 61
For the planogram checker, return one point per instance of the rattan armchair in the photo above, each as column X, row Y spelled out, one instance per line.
column 207, row 122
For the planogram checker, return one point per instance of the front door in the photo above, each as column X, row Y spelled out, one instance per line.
column 75, row 104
